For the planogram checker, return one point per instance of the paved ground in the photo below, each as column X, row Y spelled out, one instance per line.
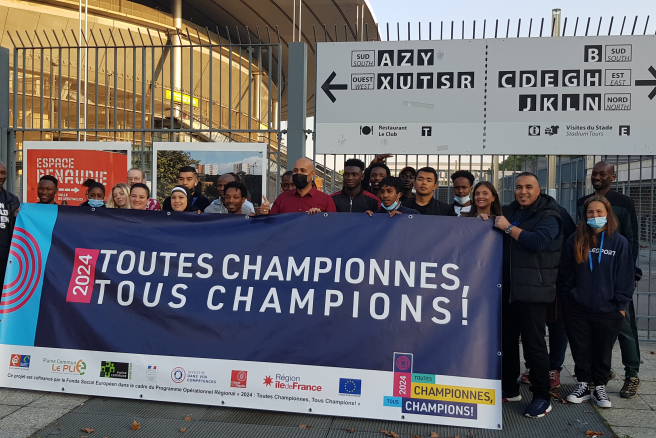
column 39, row 414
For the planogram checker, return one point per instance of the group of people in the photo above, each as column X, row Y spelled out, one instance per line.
column 576, row 279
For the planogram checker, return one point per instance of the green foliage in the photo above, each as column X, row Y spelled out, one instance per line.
column 168, row 165
column 516, row 162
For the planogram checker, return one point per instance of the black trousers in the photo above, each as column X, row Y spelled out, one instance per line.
column 529, row 321
column 591, row 339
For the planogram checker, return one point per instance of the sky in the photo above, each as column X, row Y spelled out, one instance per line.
column 415, row 11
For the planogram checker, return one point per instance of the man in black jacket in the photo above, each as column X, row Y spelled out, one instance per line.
column 602, row 177
column 532, row 244
column 188, row 177
column 9, row 206
column 353, row 198
column 424, row 202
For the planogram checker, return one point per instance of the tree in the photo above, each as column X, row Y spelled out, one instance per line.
column 168, row 166
column 516, row 162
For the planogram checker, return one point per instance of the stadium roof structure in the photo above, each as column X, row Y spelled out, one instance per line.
column 344, row 20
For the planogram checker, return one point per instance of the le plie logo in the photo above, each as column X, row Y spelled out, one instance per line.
column 426, row 78
column 71, row 367
column 20, row 361
column 286, row 381
column 417, row 393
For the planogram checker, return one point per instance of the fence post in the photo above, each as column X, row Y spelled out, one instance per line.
column 5, row 153
column 296, row 102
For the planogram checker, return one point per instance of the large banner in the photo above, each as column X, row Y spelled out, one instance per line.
column 333, row 314
column 72, row 163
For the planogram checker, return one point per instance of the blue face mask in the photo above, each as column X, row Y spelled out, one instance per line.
column 391, row 207
column 96, row 202
column 597, row 222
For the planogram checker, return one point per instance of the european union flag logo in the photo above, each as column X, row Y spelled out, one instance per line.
column 350, row 386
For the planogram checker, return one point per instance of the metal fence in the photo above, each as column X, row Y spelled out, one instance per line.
column 143, row 88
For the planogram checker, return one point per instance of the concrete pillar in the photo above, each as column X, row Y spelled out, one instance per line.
column 296, row 102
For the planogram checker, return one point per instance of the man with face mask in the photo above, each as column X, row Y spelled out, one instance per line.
column 602, row 177
column 408, row 176
column 391, row 189
column 463, row 182
column 306, row 197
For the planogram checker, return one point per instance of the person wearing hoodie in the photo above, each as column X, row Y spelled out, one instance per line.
column 597, row 277
column 533, row 234
column 188, row 177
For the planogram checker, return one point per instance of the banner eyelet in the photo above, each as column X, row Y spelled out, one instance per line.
column 409, row 216
column 325, row 215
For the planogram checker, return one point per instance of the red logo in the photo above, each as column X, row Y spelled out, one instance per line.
column 268, row 380
column 238, row 379
column 403, row 363
column 80, row 287
column 15, row 360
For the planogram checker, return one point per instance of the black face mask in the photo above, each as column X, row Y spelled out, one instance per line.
column 300, row 181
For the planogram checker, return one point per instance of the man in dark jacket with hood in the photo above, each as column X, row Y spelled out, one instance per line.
column 532, row 244
column 9, row 206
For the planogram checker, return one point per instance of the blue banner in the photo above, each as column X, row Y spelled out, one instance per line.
column 417, row 297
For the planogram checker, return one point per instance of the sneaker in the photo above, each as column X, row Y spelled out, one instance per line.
column 554, row 379
column 510, row 397
column 538, row 408
column 600, row 397
column 580, row 394
column 630, row 388
column 524, row 377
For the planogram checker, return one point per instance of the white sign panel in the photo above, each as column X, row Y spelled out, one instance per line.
column 423, row 97
column 571, row 95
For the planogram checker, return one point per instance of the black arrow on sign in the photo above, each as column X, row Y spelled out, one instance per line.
column 327, row 86
column 648, row 82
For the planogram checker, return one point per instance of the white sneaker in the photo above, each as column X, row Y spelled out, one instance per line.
column 580, row 394
column 600, row 397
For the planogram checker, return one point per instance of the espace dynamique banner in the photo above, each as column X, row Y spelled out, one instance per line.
column 333, row 314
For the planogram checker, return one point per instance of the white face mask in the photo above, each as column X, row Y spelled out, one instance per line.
column 463, row 200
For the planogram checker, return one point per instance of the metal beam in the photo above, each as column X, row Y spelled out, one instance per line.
column 297, row 102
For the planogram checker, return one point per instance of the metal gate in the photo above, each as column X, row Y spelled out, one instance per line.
column 144, row 88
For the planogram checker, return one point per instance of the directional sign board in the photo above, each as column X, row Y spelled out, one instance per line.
column 571, row 95
column 423, row 97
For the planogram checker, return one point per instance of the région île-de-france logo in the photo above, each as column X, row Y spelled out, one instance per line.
column 20, row 361
column 116, row 370
column 238, row 379
column 285, row 381
column 25, row 266
column 151, row 373
column 178, row 374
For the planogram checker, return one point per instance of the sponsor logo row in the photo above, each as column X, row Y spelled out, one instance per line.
column 238, row 378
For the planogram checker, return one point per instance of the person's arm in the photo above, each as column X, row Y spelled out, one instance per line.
column 538, row 239
column 624, row 274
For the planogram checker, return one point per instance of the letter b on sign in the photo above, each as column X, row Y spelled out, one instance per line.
column 592, row 54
